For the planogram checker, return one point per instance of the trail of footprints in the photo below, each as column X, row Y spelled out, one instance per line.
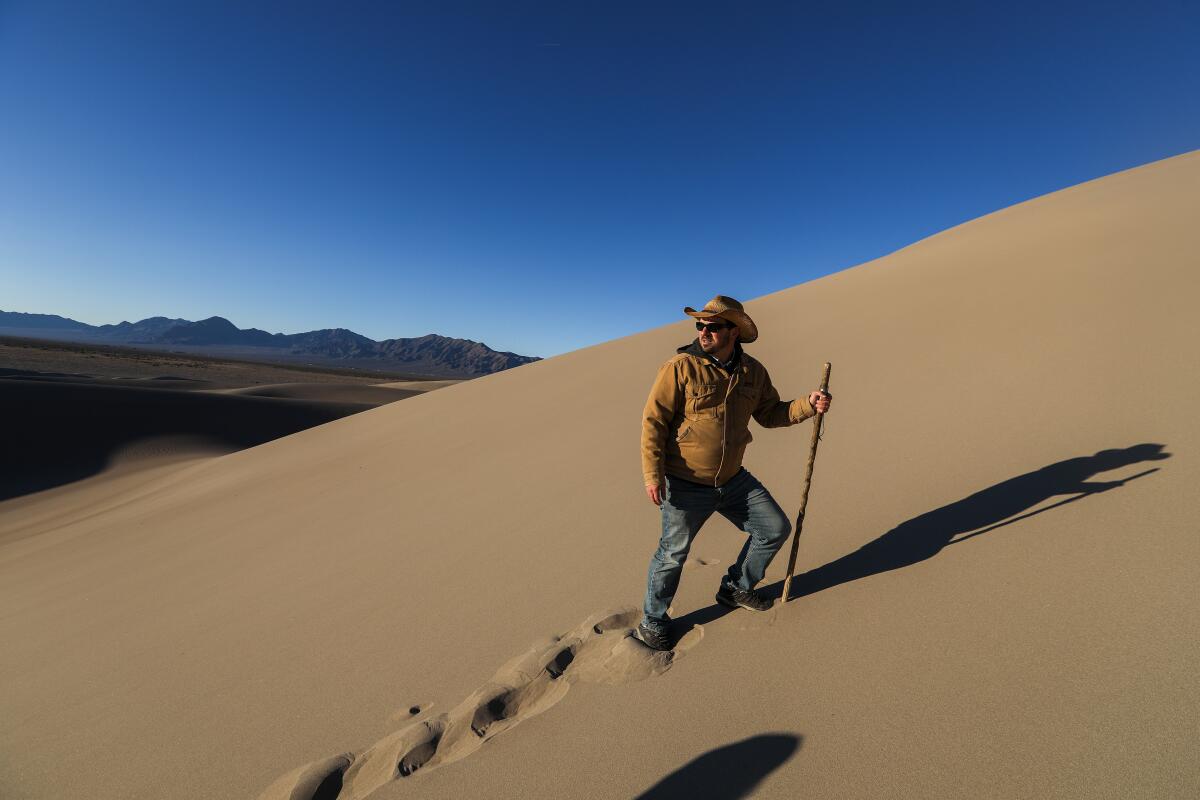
column 601, row 650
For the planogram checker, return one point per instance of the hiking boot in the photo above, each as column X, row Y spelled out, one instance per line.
column 734, row 597
column 655, row 640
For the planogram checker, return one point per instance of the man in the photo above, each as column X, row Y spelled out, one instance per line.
column 695, row 429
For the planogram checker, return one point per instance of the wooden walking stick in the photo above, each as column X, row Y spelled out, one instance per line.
column 812, row 459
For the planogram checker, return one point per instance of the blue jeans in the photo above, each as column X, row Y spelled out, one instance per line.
column 686, row 506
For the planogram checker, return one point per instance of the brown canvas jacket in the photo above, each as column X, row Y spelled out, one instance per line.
column 696, row 421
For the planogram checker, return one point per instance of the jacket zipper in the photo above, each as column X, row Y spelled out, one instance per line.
column 724, row 426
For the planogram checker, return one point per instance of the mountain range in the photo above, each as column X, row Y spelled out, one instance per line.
column 431, row 354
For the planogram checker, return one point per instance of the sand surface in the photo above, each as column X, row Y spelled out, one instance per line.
column 429, row 598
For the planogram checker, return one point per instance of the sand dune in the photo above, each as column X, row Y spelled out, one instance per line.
column 331, row 392
column 81, row 443
column 68, row 430
column 997, row 601
column 419, row 386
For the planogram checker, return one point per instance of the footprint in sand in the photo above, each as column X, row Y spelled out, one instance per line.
column 397, row 755
column 320, row 780
column 601, row 650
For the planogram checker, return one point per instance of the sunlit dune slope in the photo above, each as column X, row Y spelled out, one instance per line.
column 281, row 606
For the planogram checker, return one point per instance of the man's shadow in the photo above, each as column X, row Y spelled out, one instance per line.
column 924, row 536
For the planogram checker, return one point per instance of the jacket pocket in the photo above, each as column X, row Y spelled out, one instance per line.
column 703, row 400
column 683, row 433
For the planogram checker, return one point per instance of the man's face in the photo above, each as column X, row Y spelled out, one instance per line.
column 711, row 340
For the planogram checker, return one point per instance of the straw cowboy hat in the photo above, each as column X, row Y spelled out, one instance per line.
column 730, row 309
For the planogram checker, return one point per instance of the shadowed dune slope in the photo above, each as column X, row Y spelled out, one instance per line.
column 331, row 392
column 420, row 386
column 64, row 430
column 247, row 624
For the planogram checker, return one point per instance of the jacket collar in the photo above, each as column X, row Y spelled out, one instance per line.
column 694, row 349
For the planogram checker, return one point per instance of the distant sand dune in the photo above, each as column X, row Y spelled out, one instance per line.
column 419, row 386
column 75, row 426
column 330, row 392
column 66, row 431
column 997, row 599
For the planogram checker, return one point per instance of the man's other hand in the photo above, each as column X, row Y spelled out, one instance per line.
column 655, row 493
column 820, row 401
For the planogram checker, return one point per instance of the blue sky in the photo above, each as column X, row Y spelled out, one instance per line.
column 540, row 176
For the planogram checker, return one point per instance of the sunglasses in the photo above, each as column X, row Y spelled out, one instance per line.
column 714, row 326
